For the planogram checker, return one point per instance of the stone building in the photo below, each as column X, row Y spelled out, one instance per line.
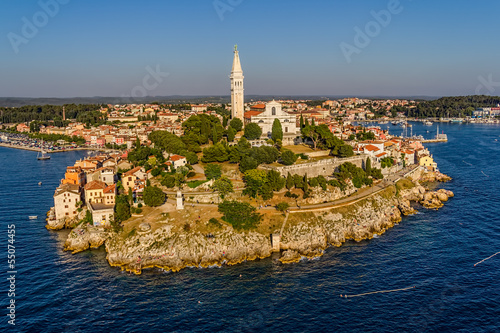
column 65, row 198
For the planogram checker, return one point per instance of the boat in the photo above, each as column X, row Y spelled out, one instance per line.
column 428, row 122
column 33, row 217
column 43, row 156
column 39, row 183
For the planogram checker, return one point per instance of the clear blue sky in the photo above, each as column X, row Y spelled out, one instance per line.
column 102, row 48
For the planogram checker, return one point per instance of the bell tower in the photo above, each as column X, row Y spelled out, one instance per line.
column 237, row 91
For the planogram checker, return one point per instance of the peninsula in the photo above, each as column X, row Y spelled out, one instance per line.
column 202, row 185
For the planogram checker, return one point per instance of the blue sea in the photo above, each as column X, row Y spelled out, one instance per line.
column 435, row 251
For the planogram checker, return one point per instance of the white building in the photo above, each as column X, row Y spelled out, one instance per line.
column 101, row 214
column 65, row 199
column 237, row 91
column 288, row 122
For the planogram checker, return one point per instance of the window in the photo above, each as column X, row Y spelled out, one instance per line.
column 273, row 111
column 66, row 206
column 286, row 129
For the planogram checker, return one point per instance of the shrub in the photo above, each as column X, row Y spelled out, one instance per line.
column 214, row 222
column 282, row 206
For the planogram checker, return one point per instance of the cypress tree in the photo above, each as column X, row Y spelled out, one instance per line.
column 277, row 130
column 301, row 122
column 289, row 181
column 368, row 166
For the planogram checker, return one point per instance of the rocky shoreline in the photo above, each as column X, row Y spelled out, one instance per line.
column 306, row 233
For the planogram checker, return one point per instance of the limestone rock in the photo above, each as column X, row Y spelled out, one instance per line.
column 84, row 237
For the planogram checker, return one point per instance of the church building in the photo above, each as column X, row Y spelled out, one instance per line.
column 265, row 121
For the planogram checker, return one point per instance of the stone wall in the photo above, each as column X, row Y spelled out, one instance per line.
column 324, row 167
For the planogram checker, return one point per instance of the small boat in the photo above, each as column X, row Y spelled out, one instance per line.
column 33, row 217
column 39, row 183
column 44, row 156
column 428, row 122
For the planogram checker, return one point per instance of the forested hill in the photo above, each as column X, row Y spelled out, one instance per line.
column 458, row 106
column 85, row 113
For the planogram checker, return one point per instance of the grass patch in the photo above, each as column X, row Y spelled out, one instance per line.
column 404, row 184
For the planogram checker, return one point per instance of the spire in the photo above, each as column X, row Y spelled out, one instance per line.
column 236, row 61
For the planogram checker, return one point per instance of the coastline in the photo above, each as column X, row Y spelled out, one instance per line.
column 306, row 233
column 6, row 145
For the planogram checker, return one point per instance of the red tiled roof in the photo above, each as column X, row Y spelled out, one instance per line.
column 176, row 157
column 95, row 185
column 250, row 114
column 371, row 148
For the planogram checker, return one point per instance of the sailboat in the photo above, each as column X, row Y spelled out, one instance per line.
column 44, row 155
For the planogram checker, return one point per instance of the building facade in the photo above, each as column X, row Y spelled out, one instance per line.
column 288, row 122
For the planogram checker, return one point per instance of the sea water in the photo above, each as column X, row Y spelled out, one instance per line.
column 435, row 251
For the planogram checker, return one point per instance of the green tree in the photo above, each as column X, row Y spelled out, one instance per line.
column 248, row 163
column 236, row 123
column 277, row 130
column 215, row 153
column 153, row 196
column 122, row 208
column 231, row 133
column 254, row 181
column 311, row 133
column 275, row 181
column 301, row 122
column 223, row 186
column 252, row 131
column 289, row 181
column 168, row 181
column 240, row 215
column 368, row 166
column 213, row 171
column 288, row 157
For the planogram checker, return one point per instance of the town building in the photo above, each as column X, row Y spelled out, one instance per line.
column 94, row 192
column 101, row 214
column 66, row 198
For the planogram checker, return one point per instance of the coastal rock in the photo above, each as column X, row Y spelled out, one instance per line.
column 84, row 237
column 290, row 256
column 434, row 176
column 309, row 234
column 405, row 207
column 173, row 251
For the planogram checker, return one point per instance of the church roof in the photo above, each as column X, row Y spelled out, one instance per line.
column 250, row 114
column 236, row 63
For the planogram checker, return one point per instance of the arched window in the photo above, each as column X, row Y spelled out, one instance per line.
column 274, row 111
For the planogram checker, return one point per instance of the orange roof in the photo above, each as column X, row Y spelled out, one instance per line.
column 250, row 114
column 131, row 172
column 95, row 185
column 176, row 157
column 258, row 106
column 110, row 189
column 371, row 148
column 380, row 155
